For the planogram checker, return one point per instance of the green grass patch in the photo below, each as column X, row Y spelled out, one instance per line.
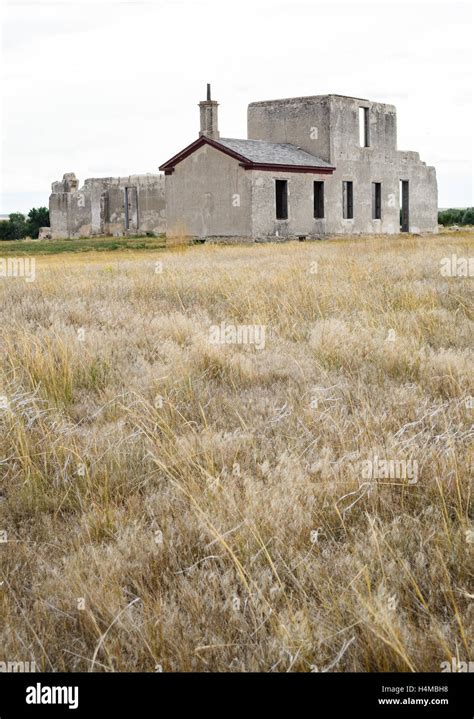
column 82, row 244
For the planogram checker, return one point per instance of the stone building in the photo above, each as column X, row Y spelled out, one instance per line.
column 107, row 206
column 311, row 166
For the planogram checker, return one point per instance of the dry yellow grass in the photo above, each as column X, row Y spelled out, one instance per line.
column 173, row 503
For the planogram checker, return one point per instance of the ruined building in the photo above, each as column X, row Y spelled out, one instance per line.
column 107, row 206
column 311, row 166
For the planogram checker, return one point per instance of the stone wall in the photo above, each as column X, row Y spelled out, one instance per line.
column 107, row 206
column 300, row 220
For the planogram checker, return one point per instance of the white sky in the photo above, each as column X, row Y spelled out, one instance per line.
column 105, row 88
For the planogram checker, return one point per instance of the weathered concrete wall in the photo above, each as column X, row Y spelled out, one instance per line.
column 301, row 121
column 207, row 195
column 423, row 192
column 300, row 205
column 344, row 129
column 379, row 162
column 152, row 205
column 69, row 212
column 362, row 175
column 99, row 207
column 328, row 127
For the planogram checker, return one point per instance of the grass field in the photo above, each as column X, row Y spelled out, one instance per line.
column 21, row 248
column 171, row 503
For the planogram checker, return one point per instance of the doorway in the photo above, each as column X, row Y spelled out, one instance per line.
column 131, row 208
column 404, row 207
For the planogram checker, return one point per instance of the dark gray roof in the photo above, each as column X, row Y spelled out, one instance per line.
column 272, row 153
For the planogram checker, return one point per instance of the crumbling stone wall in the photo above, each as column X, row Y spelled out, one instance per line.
column 107, row 206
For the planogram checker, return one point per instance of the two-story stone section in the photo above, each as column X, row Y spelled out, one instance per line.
column 310, row 166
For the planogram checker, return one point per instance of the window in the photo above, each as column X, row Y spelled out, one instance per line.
column 281, row 197
column 347, row 201
column 404, row 206
column 364, row 126
column 318, row 200
column 106, row 207
column 376, row 200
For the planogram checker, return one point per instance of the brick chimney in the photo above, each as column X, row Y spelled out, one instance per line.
column 208, row 113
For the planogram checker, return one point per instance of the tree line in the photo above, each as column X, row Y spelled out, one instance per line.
column 18, row 226
column 456, row 217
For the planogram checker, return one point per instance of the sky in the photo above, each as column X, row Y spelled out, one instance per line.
column 110, row 87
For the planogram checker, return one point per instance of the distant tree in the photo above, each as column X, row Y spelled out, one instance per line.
column 468, row 216
column 5, row 230
column 37, row 217
column 15, row 228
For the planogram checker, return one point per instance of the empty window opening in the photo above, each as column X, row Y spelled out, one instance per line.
column 364, row 126
column 347, row 201
column 281, row 197
column 404, row 206
column 105, row 207
column 376, row 200
column 318, row 200
column 127, row 210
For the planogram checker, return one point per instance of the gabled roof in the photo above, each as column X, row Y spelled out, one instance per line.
column 257, row 155
column 276, row 153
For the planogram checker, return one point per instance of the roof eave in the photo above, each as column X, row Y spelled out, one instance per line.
column 326, row 170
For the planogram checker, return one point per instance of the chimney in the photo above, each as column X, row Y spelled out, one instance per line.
column 208, row 113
